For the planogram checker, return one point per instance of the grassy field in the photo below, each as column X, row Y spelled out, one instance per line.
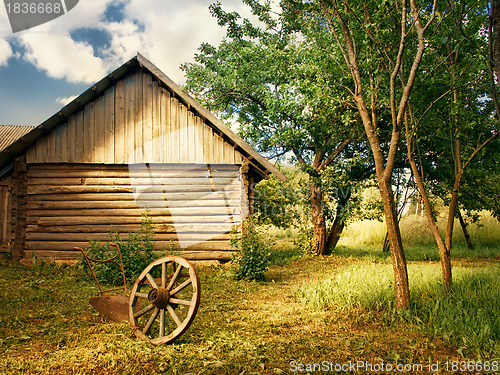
column 326, row 311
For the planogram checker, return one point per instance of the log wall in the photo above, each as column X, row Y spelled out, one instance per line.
column 137, row 120
column 193, row 207
column 5, row 215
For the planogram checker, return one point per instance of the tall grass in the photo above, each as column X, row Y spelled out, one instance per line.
column 467, row 316
column 365, row 238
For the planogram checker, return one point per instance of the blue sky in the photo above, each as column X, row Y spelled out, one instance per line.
column 42, row 68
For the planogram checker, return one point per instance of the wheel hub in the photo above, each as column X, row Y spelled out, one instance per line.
column 159, row 297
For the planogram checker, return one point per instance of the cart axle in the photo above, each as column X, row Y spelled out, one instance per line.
column 159, row 297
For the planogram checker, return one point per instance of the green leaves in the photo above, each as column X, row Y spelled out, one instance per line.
column 280, row 87
column 137, row 252
column 253, row 256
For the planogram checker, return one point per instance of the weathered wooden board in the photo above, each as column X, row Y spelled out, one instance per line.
column 98, row 181
column 126, row 228
column 130, row 204
column 75, row 256
column 65, row 237
column 192, row 209
column 134, row 121
column 6, row 217
column 199, row 197
column 159, row 245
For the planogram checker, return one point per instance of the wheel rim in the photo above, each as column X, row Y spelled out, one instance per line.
column 164, row 300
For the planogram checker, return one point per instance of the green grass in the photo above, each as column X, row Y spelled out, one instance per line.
column 467, row 316
column 47, row 327
column 415, row 232
column 336, row 308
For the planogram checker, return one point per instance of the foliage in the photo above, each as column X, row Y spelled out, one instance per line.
column 303, row 240
column 453, row 117
column 282, row 90
column 253, row 256
column 278, row 203
column 137, row 252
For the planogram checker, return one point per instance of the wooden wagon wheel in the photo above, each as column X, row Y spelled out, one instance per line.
column 164, row 300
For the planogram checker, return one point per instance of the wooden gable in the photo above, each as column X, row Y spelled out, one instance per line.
column 137, row 120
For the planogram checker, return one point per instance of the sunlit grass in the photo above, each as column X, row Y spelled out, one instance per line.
column 467, row 315
column 365, row 239
column 48, row 327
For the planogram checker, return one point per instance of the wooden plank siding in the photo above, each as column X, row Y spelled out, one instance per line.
column 193, row 207
column 135, row 121
column 5, row 215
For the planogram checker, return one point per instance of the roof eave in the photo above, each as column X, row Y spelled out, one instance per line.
column 263, row 166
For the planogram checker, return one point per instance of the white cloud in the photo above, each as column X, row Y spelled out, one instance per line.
column 126, row 41
column 86, row 14
column 50, row 48
column 66, row 100
column 5, row 52
column 166, row 31
column 61, row 57
column 171, row 31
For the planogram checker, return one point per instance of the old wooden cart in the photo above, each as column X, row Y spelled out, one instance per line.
column 162, row 303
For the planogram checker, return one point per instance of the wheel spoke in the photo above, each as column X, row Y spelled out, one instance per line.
column 180, row 302
column 151, row 281
column 172, row 281
column 151, row 321
column 175, row 291
column 141, row 295
column 174, row 315
column 138, row 314
column 163, row 274
column 180, row 287
column 162, row 323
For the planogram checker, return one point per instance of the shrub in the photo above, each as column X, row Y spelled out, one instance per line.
column 303, row 240
column 137, row 252
column 253, row 256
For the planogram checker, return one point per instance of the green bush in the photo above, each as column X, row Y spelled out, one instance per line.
column 253, row 256
column 303, row 240
column 137, row 252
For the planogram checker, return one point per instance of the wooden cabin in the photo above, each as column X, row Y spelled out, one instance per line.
column 134, row 141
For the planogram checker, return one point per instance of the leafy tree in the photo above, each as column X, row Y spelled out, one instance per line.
column 379, row 45
column 278, row 203
column 451, row 120
column 282, row 91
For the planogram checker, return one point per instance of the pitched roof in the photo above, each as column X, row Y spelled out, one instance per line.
column 9, row 153
column 11, row 133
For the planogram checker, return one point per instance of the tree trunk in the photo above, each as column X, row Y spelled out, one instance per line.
column 452, row 209
column 444, row 252
column 386, row 246
column 338, row 223
column 495, row 15
column 401, row 286
column 334, row 235
column 463, row 224
column 319, row 224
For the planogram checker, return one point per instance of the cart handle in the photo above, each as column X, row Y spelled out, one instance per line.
column 110, row 260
